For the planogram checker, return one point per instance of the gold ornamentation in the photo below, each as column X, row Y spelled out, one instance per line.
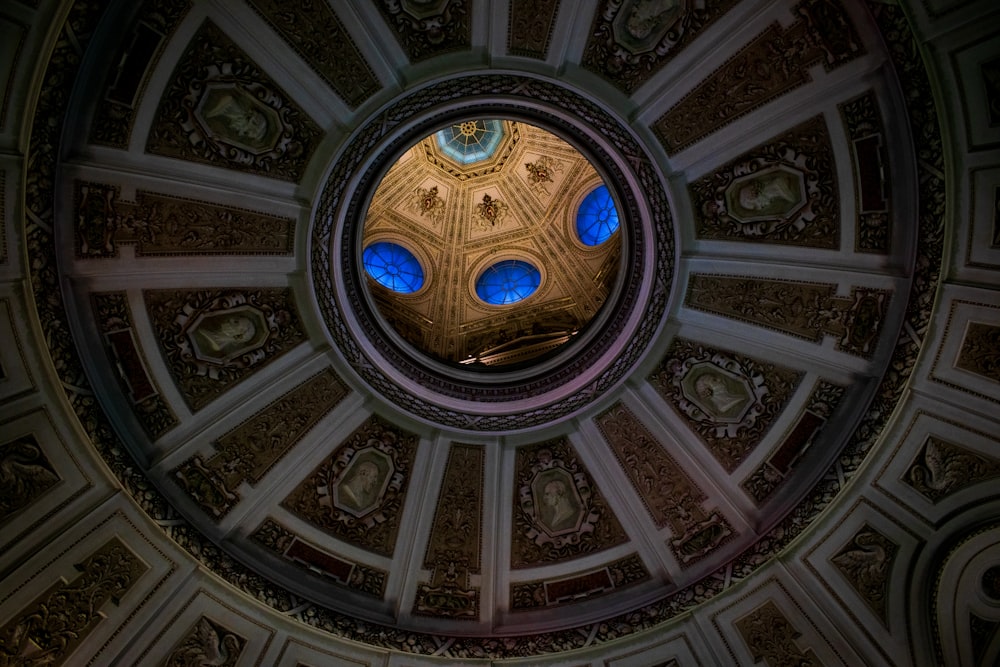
column 247, row 452
column 357, row 494
column 49, row 629
column 669, row 494
column 942, row 468
column 806, row 310
column 772, row 638
column 980, row 353
column 163, row 225
column 212, row 339
column 455, row 539
column 490, row 212
column 784, row 191
column 540, row 172
column 559, row 513
column 867, row 563
column 427, row 202
column 25, row 475
column 774, row 63
column 727, row 399
column 207, row 643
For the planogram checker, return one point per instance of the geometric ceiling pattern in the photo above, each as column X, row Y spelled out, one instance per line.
column 755, row 426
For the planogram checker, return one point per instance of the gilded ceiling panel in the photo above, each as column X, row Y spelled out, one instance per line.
column 784, row 191
column 559, row 513
column 212, row 339
column 221, row 109
column 357, row 493
column 728, row 399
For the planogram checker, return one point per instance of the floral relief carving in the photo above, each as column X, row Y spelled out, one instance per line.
column 247, row 452
column 782, row 192
column 350, row 574
column 631, row 40
column 530, row 27
column 867, row 561
column 357, row 493
column 729, row 400
column 980, row 353
column 427, row 28
column 772, row 64
column 540, row 173
column 207, row 643
column 54, row 625
column 428, row 203
column 455, row 539
column 806, row 310
column 772, row 639
column 25, row 474
column 668, row 493
column 114, row 320
column 942, row 468
column 559, row 513
column 490, row 212
column 211, row 339
column 221, row 109
column 165, row 225
column 313, row 30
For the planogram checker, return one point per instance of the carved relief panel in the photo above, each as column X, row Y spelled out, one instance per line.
column 357, row 493
column 559, row 512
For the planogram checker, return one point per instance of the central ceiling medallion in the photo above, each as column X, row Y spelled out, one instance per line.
column 507, row 275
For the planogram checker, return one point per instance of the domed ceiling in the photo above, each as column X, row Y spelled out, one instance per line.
column 657, row 421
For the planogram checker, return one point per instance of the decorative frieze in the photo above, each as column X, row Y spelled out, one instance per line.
column 357, row 493
column 247, row 452
column 772, row 638
column 212, row 339
column 136, row 59
column 631, row 40
column 453, row 548
column 51, row 628
column 784, row 191
column 866, row 561
column 160, row 224
column 319, row 37
column 728, row 399
column 802, row 309
column 671, row 497
column 25, row 475
column 221, row 109
column 772, row 64
column 114, row 321
column 616, row 575
column 873, row 227
column 303, row 553
column 559, row 513
column 778, row 465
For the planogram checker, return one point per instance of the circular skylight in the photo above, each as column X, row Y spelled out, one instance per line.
column 597, row 218
column 393, row 266
column 470, row 141
column 508, row 282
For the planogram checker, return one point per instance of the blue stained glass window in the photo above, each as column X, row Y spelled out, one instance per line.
column 471, row 141
column 393, row 266
column 597, row 218
column 508, row 282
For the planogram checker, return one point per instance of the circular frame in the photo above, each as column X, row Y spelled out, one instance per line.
column 503, row 401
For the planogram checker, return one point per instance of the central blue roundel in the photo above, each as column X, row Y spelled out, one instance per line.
column 393, row 266
column 470, row 141
column 508, row 282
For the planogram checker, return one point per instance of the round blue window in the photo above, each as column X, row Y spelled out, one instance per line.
column 508, row 282
column 597, row 218
column 393, row 266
